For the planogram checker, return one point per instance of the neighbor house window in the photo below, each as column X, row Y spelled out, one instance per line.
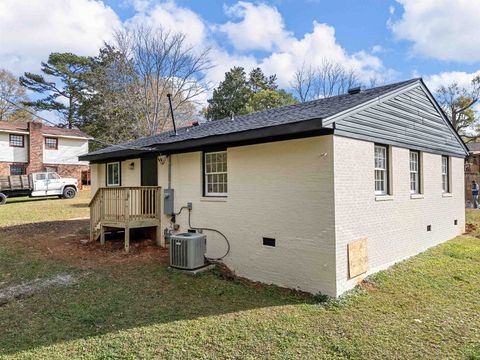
column 216, row 173
column 51, row 143
column 17, row 170
column 17, row 140
column 381, row 170
column 445, row 174
column 415, row 172
column 51, row 169
column 113, row 174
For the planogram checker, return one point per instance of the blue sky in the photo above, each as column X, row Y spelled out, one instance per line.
column 389, row 40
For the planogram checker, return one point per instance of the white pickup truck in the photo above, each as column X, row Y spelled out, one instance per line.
column 37, row 184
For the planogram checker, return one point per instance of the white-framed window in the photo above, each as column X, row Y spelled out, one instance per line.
column 414, row 172
column 445, row 174
column 381, row 170
column 113, row 174
column 216, row 183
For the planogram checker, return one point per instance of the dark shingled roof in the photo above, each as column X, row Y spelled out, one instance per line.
column 46, row 129
column 316, row 109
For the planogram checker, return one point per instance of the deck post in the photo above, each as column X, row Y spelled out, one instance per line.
column 127, row 239
column 127, row 218
column 102, row 235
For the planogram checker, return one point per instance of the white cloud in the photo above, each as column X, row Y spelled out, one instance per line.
column 31, row 30
column 313, row 49
column 441, row 29
column 463, row 79
column 261, row 27
column 171, row 17
column 81, row 26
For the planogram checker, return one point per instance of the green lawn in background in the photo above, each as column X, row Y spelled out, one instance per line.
column 24, row 210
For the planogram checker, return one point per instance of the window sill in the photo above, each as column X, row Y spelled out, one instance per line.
column 416, row 196
column 447, row 195
column 384, row 197
column 213, row 199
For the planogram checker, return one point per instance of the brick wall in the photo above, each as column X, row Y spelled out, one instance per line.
column 35, row 147
column 4, row 168
column 397, row 228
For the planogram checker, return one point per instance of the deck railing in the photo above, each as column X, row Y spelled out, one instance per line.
column 123, row 205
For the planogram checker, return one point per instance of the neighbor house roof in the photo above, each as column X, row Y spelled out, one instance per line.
column 280, row 123
column 474, row 147
column 46, row 130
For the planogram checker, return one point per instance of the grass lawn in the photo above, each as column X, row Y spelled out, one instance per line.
column 23, row 210
column 132, row 306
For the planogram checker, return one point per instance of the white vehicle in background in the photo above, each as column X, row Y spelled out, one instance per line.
column 36, row 185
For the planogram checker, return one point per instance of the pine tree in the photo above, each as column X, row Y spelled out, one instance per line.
column 62, row 83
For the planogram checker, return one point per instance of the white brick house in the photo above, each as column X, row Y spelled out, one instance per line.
column 313, row 196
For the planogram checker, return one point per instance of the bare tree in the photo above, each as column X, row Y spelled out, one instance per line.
column 11, row 93
column 457, row 102
column 329, row 79
column 163, row 63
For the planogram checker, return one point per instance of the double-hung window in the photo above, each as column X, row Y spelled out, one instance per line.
column 113, row 174
column 381, row 170
column 414, row 172
column 445, row 174
column 215, row 173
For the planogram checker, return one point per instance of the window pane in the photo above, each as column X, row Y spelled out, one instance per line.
column 16, row 140
column 380, row 172
column 216, row 173
column 17, row 170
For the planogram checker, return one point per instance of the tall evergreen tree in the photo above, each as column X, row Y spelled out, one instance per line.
column 230, row 97
column 238, row 95
column 62, row 83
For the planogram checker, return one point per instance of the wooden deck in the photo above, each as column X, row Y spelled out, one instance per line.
column 125, row 208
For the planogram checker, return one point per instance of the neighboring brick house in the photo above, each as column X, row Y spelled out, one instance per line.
column 312, row 196
column 33, row 146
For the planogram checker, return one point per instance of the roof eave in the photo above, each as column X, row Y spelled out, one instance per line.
column 288, row 131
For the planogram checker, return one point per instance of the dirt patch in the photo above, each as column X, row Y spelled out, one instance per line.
column 69, row 241
column 29, row 288
column 470, row 229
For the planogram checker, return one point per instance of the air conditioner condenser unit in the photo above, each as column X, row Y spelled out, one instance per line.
column 187, row 251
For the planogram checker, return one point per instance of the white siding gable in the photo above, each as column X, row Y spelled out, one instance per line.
column 12, row 154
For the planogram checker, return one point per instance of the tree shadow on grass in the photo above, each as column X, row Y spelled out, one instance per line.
column 116, row 291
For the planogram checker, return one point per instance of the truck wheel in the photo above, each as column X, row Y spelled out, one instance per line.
column 3, row 199
column 69, row 193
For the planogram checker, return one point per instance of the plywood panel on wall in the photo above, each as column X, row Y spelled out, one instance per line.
column 357, row 257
